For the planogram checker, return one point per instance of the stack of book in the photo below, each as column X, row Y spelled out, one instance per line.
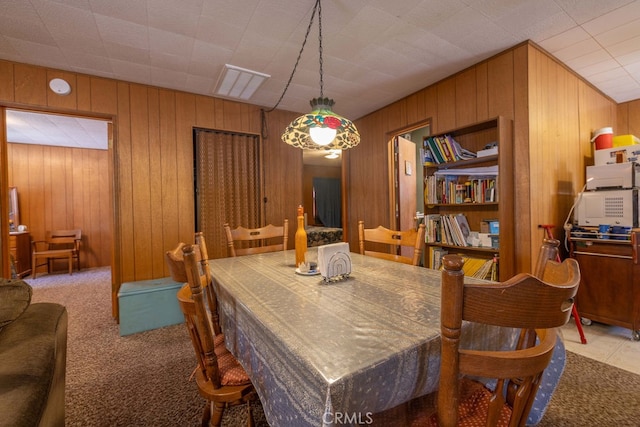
column 444, row 149
column 454, row 186
column 450, row 229
column 481, row 268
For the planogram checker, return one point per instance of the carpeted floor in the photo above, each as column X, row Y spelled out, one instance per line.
column 143, row 379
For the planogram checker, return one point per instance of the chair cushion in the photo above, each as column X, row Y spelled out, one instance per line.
column 231, row 372
column 15, row 297
column 473, row 409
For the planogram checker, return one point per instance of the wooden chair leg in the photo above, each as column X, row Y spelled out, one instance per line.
column 216, row 416
column 206, row 414
column 249, row 415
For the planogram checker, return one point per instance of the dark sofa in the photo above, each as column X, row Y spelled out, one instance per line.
column 33, row 350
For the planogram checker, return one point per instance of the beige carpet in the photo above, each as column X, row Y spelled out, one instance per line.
column 143, row 379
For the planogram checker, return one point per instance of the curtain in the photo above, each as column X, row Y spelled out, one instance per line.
column 227, row 185
column 328, row 201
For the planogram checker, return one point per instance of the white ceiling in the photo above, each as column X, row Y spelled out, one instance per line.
column 25, row 127
column 375, row 51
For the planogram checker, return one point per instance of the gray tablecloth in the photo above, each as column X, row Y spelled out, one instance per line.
column 317, row 351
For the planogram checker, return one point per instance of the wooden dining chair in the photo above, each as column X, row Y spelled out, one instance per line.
column 245, row 241
column 536, row 307
column 219, row 376
column 397, row 239
column 57, row 244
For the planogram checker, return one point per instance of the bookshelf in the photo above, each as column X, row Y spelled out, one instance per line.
column 479, row 189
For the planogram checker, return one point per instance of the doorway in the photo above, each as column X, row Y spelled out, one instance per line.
column 227, row 185
column 406, row 198
column 61, row 167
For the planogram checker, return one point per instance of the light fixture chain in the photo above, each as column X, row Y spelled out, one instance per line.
column 320, row 46
column 306, row 36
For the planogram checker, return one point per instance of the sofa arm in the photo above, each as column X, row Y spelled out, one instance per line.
column 33, row 350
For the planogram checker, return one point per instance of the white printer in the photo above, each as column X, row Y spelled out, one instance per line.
column 611, row 197
column 614, row 176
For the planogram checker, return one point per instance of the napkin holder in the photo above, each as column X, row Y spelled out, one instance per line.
column 334, row 261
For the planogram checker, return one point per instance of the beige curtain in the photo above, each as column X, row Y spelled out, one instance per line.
column 227, row 185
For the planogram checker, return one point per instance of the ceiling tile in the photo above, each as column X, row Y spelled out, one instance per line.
column 577, row 50
column 619, row 34
column 125, row 10
column 564, row 39
column 615, row 18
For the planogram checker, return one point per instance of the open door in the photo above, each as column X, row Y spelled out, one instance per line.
column 403, row 185
column 5, row 269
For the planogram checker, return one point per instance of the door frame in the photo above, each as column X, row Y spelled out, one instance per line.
column 392, row 166
column 5, row 269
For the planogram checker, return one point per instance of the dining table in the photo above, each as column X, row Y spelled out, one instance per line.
column 337, row 353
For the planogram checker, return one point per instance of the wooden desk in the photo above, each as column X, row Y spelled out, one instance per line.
column 316, row 351
column 609, row 289
column 20, row 248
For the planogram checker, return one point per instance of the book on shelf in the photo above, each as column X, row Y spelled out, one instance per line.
column 481, row 268
column 435, row 257
column 491, row 151
column 454, row 230
column 432, row 228
column 431, row 144
column 458, row 189
column 448, row 229
column 462, row 153
column 445, row 149
column 427, row 157
column 463, row 226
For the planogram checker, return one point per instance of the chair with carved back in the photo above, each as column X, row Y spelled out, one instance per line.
column 57, row 244
column 246, row 241
column 537, row 307
column 220, row 378
column 397, row 239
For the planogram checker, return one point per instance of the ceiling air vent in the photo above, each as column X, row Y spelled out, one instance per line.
column 239, row 83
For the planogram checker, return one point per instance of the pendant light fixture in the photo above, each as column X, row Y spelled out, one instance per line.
column 321, row 129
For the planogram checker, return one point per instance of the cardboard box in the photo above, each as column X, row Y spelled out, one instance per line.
column 608, row 156
column 490, row 226
column 624, row 140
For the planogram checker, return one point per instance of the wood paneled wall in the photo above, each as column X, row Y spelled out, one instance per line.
column 628, row 118
column 564, row 110
column 62, row 188
column 151, row 161
column 553, row 113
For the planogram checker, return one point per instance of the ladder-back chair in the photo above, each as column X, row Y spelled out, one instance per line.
column 246, row 241
column 407, row 238
column 57, row 244
column 220, row 378
column 537, row 307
